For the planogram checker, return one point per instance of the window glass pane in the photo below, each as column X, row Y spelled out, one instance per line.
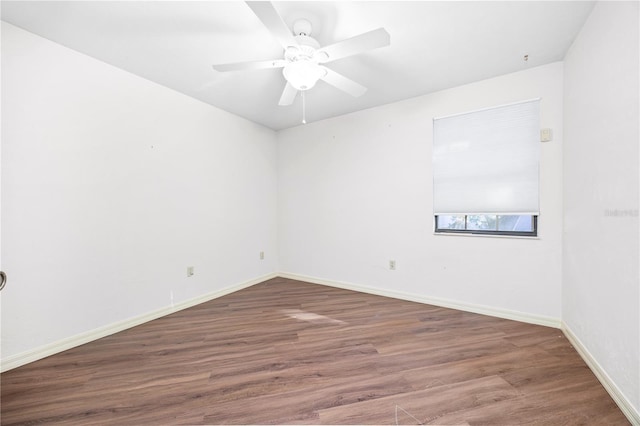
column 450, row 222
column 515, row 223
column 487, row 224
column 482, row 222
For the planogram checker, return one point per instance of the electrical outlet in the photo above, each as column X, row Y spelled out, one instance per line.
column 261, row 255
column 392, row 265
column 190, row 271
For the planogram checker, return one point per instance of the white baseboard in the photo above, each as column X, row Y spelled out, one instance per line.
column 41, row 352
column 445, row 303
column 625, row 405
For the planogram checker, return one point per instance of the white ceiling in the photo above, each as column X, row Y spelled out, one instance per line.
column 435, row 45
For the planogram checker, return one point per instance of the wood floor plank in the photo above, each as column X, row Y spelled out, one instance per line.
column 289, row 352
column 553, row 408
column 467, row 369
column 278, row 408
column 425, row 405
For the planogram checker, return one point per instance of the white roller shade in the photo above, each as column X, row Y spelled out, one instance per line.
column 486, row 161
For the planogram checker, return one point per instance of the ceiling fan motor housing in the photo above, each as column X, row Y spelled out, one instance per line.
column 305, row 49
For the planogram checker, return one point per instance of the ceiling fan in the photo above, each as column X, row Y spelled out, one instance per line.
column 303, row 57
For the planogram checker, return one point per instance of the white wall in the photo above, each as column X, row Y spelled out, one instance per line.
column 601, row 298
column 112, row 186
column 356, row 191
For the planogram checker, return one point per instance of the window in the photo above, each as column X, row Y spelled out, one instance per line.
column 485, row 170
column 522, row 225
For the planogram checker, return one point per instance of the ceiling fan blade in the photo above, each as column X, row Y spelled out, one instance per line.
column 343, row 83
column 288, row 95
column 271, row 19
column 246, row 66
column 358, row 44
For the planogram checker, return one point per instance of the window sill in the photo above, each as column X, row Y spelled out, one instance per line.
column 464, row 234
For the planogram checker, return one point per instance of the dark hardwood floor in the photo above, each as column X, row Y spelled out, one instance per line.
column 284, row 351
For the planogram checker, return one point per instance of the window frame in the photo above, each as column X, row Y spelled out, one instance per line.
column 533, row 233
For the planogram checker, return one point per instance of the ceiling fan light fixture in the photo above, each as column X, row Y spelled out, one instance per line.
column 303, row 74
column 304, row 59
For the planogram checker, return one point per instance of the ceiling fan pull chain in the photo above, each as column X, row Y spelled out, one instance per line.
column 304, row 108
